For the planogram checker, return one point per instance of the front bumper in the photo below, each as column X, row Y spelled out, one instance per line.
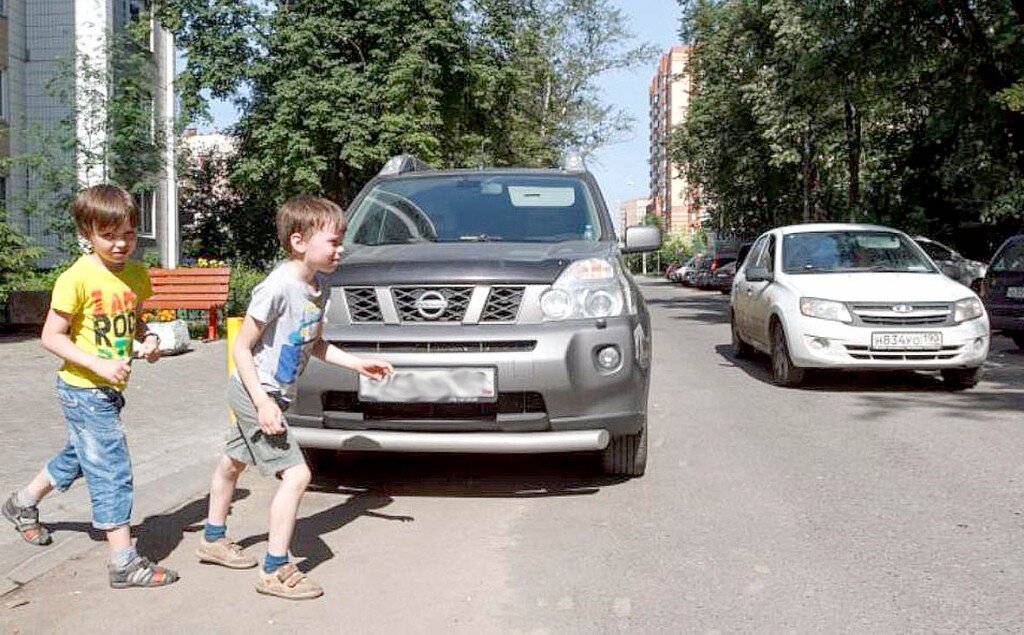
column 816, row 343
column 583, row 406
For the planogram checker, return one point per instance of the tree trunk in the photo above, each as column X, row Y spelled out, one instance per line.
column 853, row 158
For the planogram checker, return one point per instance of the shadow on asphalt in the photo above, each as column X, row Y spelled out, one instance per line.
column 158, row 535
column 1000, row 390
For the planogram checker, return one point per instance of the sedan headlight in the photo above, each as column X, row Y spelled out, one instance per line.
column 825, row 310
column 591, row 288
column 967, row 309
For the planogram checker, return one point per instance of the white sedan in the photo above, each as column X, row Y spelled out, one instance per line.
column 848, row 296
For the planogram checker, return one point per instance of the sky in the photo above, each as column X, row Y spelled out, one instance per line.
column 620, row 168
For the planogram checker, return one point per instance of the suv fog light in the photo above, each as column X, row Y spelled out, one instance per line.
column 609, row 358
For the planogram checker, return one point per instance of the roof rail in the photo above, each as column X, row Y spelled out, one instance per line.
column 402, row 163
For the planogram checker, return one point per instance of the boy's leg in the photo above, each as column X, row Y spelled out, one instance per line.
column 278, row 576
column 214, row 546
column 103, row 455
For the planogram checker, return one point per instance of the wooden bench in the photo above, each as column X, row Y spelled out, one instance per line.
column 199, row 288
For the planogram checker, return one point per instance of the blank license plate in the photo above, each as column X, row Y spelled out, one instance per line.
column 1015, row 292
column 927, row 341
column 431, row 385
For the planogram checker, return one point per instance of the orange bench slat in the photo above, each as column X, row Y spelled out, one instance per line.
column 189, row 304
column 190, row 288
column 187, row 273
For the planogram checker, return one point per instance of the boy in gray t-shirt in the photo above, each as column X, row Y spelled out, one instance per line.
column 280, row 331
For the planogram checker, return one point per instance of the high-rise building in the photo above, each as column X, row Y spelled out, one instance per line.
column 40, row 40
column 672, row 198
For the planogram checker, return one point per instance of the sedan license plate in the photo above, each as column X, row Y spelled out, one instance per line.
column 925, row 341
column 1016, row 293
column 431, row 385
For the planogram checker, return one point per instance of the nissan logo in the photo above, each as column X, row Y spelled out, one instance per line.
column 431, row 304
column 902, row 308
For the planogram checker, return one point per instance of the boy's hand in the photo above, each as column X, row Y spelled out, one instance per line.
column 374, row 369
column 150, row 349
column 115, row 371
column 271, row 419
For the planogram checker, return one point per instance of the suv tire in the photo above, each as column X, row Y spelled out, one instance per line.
column 319, row 461
column 961, row 378
column 784, row 372
column 1018, row 339
column 626, row 455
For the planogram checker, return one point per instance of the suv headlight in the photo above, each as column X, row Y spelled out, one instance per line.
column 591, row 288
column 967, row 309
column 825, row 310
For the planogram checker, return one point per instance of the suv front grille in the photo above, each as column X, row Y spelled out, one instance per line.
column 507, row 403
column 363, row 305
column 481, row 346
column 502, row 304
column 431, row 304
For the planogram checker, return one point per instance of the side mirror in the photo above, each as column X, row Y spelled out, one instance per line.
column 759, row 275
column 641, row 238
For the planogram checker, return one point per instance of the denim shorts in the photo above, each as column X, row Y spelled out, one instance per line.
column 97, row 449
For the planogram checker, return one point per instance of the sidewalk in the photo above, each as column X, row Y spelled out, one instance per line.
column 175, row 417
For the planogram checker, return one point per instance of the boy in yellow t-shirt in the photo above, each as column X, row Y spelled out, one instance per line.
column 93, row 322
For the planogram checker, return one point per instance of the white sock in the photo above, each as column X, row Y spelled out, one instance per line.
column 26, row 499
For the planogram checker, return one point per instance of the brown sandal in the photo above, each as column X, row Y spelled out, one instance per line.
column 289, row 583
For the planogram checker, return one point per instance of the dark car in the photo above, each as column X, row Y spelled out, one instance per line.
column 965, row 271
column 1003, row 290
column 722, row 278
column 715, row 260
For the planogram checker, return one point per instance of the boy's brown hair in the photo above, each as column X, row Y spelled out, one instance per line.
column 101, row 207
column 304, row 214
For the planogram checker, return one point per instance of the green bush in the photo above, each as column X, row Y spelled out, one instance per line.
column 243, row 279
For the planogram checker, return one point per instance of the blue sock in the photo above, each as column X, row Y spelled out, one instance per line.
column 272, row 563
column 213, row 532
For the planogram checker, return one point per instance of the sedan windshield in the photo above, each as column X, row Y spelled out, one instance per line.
column 852, row 252
column 475, row 208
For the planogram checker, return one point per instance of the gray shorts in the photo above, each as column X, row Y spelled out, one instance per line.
column 247, row 443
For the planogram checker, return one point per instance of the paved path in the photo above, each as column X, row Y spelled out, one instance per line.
column 864, row 503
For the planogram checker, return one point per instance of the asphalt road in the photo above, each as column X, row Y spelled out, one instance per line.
column 864, row 503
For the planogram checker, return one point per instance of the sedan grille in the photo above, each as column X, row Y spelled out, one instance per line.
column 903, row 314
column 431, row 304
column 502, row 304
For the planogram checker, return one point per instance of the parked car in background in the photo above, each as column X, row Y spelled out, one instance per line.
column 716, row 258
column 671, row 270
column 689, row 277
column 723, row 277
column 965, row 271
column 848, row 296
column 1002, row 291
column 500, row 298
column 680, row 272
column 702, row 274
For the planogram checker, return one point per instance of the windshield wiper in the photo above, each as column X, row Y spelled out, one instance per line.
column 479, row 238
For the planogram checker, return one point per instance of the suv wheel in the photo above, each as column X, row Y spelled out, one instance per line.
column 1018, row 339
column 784, row 372
column 626, row 455
column 961, row 378
column 739, row 348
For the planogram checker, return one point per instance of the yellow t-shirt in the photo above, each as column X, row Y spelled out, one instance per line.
column 103, row 306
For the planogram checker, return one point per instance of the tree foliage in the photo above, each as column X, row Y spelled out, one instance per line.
column 329, row 89
column 906, row 113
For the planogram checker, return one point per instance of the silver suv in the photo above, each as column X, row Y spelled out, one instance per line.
column 500, row 298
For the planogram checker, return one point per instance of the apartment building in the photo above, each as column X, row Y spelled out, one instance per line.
column 632, row 212
column 39, row 41
column 672, row 198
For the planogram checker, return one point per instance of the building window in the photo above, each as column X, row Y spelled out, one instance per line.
column 3, row 193
column 3, row 93
column 3, row 8
column 147, row 214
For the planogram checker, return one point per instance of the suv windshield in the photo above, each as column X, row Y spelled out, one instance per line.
column 1011, row 259
column 475, row 208
column 852, row 252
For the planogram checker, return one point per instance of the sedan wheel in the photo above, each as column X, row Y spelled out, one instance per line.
column 961, row 378
column 784, row 372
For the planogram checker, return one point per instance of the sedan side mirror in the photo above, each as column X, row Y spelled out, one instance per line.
column 642, row 238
